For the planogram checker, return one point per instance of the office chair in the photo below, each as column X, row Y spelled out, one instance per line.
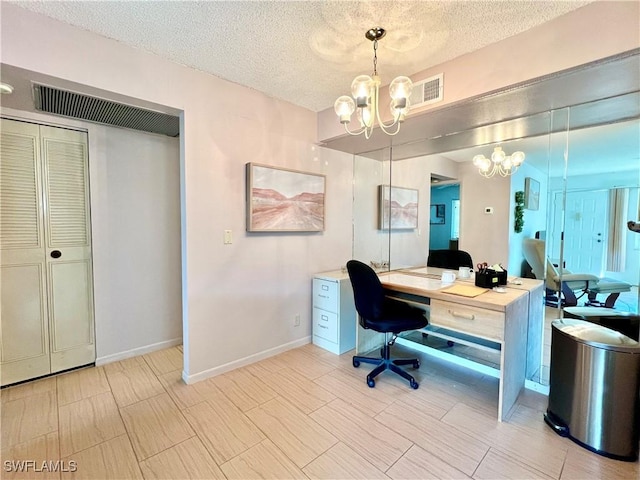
column 451, row 259
column 585, row 283
column 384, row 315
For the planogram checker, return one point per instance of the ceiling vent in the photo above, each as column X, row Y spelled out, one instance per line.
column 93, row 109
column 427, row 91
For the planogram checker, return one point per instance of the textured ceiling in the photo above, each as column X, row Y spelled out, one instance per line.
column 305, row 52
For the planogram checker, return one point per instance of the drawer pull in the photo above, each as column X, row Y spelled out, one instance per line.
column 325, row 287
column 323, row 296
column 466, row 316
column 323, row 326
column 324, row 317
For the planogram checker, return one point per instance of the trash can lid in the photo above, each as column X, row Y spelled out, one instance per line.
column 596, row 335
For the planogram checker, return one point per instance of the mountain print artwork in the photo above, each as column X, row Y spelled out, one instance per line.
column 284, row 200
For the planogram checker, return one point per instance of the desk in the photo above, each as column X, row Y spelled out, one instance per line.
column 508, row 319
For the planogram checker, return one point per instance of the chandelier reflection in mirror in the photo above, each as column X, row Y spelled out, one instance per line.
column 499, row 163
column 366, row 90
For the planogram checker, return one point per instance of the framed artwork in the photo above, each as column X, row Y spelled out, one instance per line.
column 282, row 200
column 531, row 194
column 436, row 215
column 397, row 207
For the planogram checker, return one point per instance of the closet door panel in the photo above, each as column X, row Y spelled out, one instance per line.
column 24, row 343
column 24, row 336
column 71, row 334
column 68, row 240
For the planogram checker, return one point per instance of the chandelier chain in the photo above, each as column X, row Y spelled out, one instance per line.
column 375, row 57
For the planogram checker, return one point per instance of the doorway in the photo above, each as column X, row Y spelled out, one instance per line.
column 444, row 223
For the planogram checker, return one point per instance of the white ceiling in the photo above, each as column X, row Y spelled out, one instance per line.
column 305, row 52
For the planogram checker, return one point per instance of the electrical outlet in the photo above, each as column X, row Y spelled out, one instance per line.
column 228, row 237
column 488, row 210
column 296, row 321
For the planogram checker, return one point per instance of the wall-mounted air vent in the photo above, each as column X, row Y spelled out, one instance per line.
column 93, row 109
column 427, row 91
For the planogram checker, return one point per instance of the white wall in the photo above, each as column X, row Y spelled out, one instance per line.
column 485, row 237
column 534, row 220
column 134, row 186
column 369, row 242
column 238, row 300
column 410, row 248
column 135, row 206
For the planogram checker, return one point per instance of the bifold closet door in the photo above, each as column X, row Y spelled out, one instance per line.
column 46, row 289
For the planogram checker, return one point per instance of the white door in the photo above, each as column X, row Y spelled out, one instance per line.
column 585, row 221
column 46, row 324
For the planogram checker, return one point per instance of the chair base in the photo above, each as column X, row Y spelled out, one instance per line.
column 386, row 363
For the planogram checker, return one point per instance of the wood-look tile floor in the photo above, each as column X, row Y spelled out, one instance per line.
column 305, row 413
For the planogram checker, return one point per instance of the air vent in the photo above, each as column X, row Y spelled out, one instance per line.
column 427, row 91
column 93, row 109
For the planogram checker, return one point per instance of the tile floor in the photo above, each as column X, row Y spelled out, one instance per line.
column 305, row 413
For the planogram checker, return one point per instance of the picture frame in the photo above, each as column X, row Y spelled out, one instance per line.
column 437, row 214
column 531, row 194
column 284, row 200
column 397, row 208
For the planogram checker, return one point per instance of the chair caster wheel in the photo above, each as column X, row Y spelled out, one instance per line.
column 450, row 343
column 356, row 363
column 416, row 365
column 371, row 382
column 414, row 384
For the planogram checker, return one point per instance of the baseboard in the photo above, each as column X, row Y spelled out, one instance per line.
column 138, row 351
column 536, row 387
column 256, row 357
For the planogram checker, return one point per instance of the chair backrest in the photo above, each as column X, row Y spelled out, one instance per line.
column 534, row 253
column 367, row 290
column 452, row 259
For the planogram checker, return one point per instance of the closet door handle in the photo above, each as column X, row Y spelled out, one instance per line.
column 56, row 253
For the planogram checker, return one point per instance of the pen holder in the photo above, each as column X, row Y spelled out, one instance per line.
column 488, row 278
column 502, row 277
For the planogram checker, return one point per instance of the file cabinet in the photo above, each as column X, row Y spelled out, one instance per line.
column 334, row 314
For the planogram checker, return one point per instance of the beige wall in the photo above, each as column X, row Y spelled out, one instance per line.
column 239, row 300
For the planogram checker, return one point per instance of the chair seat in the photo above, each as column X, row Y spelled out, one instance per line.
column 609, row 285
column 397, row 317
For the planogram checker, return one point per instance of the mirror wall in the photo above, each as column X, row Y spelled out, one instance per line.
column 582, row 179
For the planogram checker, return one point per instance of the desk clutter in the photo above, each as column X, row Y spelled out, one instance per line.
column 490, row 276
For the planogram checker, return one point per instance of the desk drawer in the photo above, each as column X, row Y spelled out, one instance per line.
column 466, row 319
column 325, row 294
column 325, row 325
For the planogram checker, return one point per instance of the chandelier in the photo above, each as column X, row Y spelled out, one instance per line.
column 499, row 162
column 366, row 93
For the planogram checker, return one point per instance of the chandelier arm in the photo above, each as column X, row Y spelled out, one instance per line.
column 383, row 126
column 359, row 132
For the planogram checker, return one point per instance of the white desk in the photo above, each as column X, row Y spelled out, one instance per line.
column 509, row 319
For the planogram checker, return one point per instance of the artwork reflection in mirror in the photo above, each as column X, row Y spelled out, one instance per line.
column 531, row 194
column 437, row 214
column 398, row 208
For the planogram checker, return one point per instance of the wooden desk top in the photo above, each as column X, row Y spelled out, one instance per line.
column 425, row 282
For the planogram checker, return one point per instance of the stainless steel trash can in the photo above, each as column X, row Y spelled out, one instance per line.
column 594, row 388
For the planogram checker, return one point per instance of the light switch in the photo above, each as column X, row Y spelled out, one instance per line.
column 488, row 210
column 228, row 237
